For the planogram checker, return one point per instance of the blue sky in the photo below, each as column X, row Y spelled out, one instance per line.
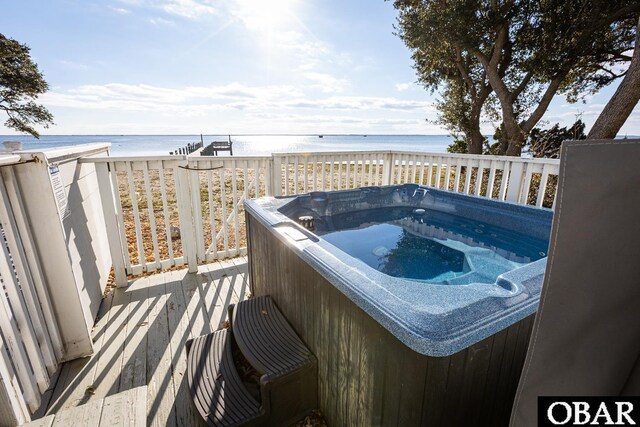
column 232, row 66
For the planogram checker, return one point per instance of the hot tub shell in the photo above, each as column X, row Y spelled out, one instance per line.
column 380, row 362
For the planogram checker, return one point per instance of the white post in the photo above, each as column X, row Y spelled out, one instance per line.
column 268, row 176
column 515, row 181
column 276, row 176
column 113, row 234
column 196, row 211
column 185, row 215
column 388, row 168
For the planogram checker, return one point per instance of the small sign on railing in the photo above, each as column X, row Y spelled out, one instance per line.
column 59, row 192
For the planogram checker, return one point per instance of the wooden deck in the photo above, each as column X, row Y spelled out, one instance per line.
column 139, row 340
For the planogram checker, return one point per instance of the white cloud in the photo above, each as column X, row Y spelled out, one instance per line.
column 190, row 9
column 120, row 10
column 160, row 21
column 73, row 65
column 326, row 82
column 363, row 103
column 401, row 87
column 233, row 96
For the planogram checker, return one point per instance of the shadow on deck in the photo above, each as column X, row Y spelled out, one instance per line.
column 139, row 339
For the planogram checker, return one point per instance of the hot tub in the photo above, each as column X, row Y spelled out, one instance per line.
column 438, row 285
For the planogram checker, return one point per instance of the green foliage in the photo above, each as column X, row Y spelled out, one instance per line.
column 547, row 142
column 525, row 51
column 459, row 145
column 20, row 85
column 442, row 66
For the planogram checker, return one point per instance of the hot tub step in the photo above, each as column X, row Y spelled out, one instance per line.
column 288, row 369
column 216, row 387
column 267, row 340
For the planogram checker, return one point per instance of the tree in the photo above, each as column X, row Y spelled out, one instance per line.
column 623, row 101
column 531, row 50
column 438, row 64
column 21, row 82
column 547, row 142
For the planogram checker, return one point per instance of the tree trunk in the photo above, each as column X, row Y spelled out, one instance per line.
column 623, row 101
column 513, row 135
column 475, row 142
column 515, row 145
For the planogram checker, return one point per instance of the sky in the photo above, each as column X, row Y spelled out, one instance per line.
column 233, row 67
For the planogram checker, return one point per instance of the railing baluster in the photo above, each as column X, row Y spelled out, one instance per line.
column 315, row 174
column 152, row 215
column 223, row 203
column 136, row 215
column 165, row 212
column 306, row 175
column 505, row 178
column 124, row 246
column 213, row 248
column 295, row 175
column 439, row 168
column 479, row 176
column 543, row 186
column 286, row 175
column 330, row 173
column 492, row 179
column 234, row 190
column 467, row 177
column 447, row 177
column 324, row 167
column 413, row 170
column 196, row 208
column 524, row 196
column 421, row 177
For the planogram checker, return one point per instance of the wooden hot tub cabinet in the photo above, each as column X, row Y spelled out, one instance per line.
column 366, row 376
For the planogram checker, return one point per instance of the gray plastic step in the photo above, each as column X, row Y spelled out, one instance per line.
column 266, row 339
column 289, row 371
column 216, row 387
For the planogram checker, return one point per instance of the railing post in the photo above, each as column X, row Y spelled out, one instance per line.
column 113, row 235
column 515, row 181
column 388, row 168
column 196, row 211
column 276, row 175
column 268, row 176
column 185, row 214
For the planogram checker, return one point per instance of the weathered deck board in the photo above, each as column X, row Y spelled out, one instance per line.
column 140, row 339
column 127, row 408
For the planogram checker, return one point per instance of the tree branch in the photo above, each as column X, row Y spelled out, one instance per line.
column 623, row 101
column 523, row 84
column 542, row 105
column 464, row 74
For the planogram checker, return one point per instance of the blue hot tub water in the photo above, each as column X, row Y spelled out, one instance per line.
column 395, row 251
column 401, row 242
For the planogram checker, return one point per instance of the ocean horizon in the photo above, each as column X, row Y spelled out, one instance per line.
column 243, row 145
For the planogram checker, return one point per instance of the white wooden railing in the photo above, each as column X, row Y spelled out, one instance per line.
column 30, row 343
column 203, row 197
